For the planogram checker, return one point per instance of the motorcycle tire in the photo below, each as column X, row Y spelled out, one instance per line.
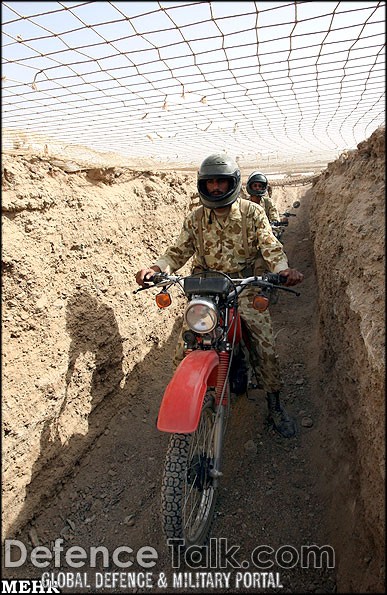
column 188, row 494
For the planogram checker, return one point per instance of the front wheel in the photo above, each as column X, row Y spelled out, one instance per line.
column 188, row 493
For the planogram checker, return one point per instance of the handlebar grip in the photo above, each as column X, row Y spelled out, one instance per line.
column 282, row 279
column 153, row 279
column 276, row 278
column 156, row 278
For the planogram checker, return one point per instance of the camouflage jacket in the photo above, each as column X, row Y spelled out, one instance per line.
column 270, row 208
column 223, row 242
column 267, row 203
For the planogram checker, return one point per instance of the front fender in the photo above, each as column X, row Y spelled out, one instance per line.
column 183, row 398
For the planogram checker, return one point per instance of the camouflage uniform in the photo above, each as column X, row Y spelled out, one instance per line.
column 270, row 208
column 223, row 251
column 267, row 203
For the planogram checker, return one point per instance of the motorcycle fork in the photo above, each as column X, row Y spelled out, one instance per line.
column 221, row 400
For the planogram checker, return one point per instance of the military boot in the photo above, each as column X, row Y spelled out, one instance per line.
column 279, row 418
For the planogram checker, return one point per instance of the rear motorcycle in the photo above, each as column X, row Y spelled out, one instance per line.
column 278, row 227
column 197, row 401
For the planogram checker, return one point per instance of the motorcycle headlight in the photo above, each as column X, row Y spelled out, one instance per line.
column 201, row 315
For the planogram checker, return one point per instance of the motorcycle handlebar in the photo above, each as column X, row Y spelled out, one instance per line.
column 267, row 279
column 276, row 278
column 158, row 277
column 264, row 280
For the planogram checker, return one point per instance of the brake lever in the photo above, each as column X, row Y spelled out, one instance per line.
column 288, row 289
column 142, row 288
column 274, row 287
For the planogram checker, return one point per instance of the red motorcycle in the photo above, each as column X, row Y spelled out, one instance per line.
column 197, row 401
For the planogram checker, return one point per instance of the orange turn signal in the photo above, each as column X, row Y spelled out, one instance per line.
column 260, row 303
column 163, row 299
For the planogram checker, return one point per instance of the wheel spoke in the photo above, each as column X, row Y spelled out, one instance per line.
column 199, row 490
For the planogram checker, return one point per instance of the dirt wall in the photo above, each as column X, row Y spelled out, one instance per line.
column 347, row 221
column 72, row 329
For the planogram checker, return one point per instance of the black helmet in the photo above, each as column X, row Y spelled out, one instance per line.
column 218, row 166
column 256, row 176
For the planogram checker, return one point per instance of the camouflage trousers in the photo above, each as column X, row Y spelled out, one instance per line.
column 263, row 357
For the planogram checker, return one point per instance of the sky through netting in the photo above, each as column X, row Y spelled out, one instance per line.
column 179, row 80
